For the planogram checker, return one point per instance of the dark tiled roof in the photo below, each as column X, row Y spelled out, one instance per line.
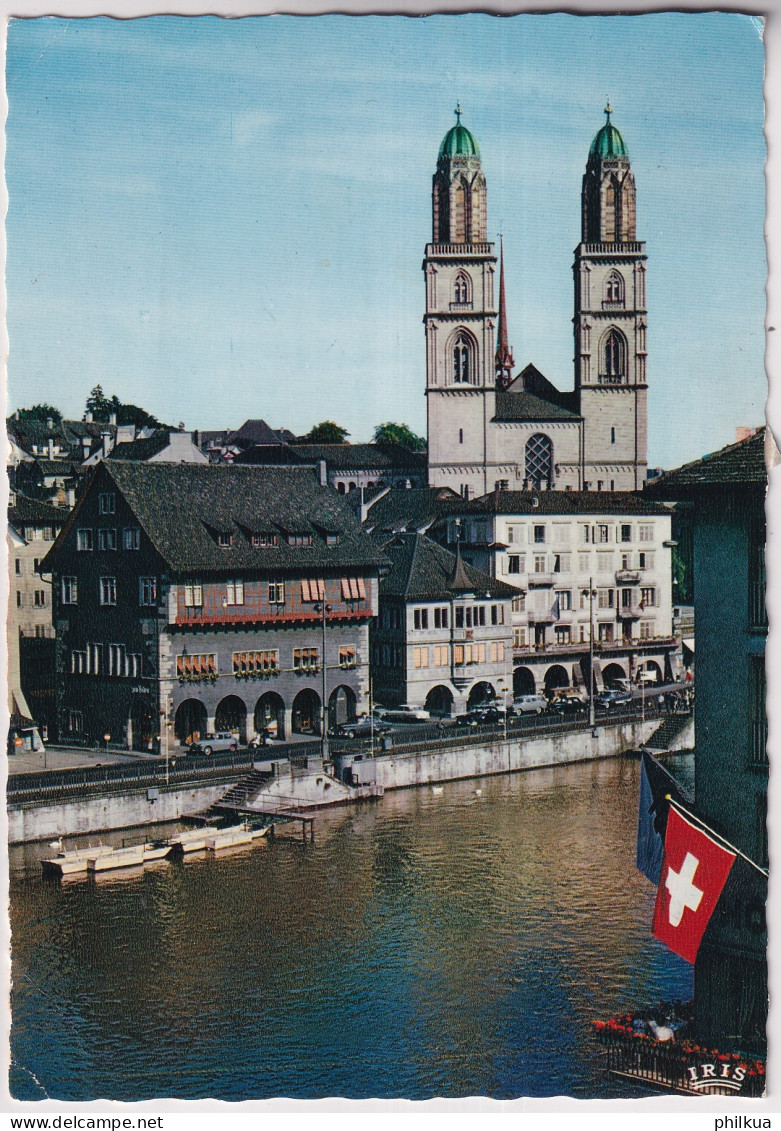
column 562, row 502
column 422, row 570
column 141, row 449
column 738, row 464
column 412, row 509
column 518, row 407
column 34, row 511
column 183, row 507
column 255, row 432
column 358, row 456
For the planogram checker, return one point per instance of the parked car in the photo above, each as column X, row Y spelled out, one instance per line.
column 480, row 716
column 213, row 743
column 530, row 704
column 405, row 714
column 566, row 699
column 613, row 697
column 363, row 728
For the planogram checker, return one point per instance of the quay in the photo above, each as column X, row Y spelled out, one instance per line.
column 46, row 805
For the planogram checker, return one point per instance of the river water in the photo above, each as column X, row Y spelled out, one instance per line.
column 430, row 944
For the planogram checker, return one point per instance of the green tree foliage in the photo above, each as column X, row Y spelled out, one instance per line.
column 102, row 407
column 399, row 434
column 326, row 432
column 42, row 412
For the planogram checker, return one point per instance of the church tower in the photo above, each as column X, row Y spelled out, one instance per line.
column 460, row 325
column 610, row 321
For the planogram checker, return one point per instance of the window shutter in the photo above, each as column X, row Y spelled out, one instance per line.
column 345, row 589
column 305, row 590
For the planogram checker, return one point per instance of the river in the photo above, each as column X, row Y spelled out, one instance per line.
column 429, row 944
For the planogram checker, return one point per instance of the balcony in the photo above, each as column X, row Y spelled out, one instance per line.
column 459, row 250
column 633, row 247
column 461, row 307
column 626, row 575
column 542, row 579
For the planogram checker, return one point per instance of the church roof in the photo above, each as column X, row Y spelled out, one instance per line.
column 458, row 141
column 608, row 142
column 521, row 406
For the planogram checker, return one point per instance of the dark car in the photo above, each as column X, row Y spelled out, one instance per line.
column 364, row 728
column 480, row 717
column 613, row 697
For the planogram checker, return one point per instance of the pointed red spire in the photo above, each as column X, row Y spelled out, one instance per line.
column 505, row 362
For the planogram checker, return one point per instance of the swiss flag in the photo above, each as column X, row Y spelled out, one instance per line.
column 694, row 871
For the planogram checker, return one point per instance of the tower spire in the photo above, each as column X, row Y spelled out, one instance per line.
column 505, row 362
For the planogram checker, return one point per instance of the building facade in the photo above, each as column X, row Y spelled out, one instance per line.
column 194, row 595
column 484, row 427
column 728, row 491
column 442, row 637
column 584, row 566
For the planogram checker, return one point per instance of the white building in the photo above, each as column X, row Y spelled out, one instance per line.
column 576, row 559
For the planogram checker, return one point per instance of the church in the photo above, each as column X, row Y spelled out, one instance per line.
column 488, row 429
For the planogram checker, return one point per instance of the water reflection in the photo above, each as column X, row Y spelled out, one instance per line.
column 430, row 944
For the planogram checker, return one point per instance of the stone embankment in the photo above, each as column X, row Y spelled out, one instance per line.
column 48, row 813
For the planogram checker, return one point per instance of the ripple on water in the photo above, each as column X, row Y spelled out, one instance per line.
column 426, row 945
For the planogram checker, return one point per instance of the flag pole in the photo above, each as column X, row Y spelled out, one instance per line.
column 691, row 816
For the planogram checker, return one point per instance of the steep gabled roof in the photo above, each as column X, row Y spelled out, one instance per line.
column 32, row 511
column 255, row 431
column 516, row 407
column 422, row 570
column 358, row 456
column 184, row 507
column 141, row 449
column 740, row 464
column 413, row 509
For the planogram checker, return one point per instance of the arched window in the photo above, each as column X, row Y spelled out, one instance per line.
column 613, row 358
column 462, row 291
column 614, row 287
column 463, row 359
column 539, row 460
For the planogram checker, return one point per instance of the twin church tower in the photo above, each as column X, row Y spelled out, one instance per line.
column 487, row 428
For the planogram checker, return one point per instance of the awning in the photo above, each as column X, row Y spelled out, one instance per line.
column 688, row 642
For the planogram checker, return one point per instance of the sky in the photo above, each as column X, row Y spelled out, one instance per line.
column 221, row 219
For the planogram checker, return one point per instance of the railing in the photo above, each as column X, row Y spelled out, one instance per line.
column 630, row 248
column 625, row 643
column 623, row 575
column 459, row 249
column 678, row 1068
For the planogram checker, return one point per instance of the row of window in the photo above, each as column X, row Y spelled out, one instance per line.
column 562, row 563
column 559, row 533
column 265, row 662
column 39, row 599
column 463, row 654
column 607, row 632
column 107, row 590
column 311, row 589
column 107, row 538
column 226, row 538
column 464, row 616
column 106, row 659
column 604, row 598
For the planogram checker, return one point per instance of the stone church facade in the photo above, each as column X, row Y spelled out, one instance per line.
column 487, row 429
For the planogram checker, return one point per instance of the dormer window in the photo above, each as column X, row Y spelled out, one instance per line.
column 299, row 539
column 332, row 539
column 224, row 540
column 263, row 539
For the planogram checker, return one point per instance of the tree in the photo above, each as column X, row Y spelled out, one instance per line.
column 42, row 412
column 326, row 432
column 399, row 434
column 103, row 407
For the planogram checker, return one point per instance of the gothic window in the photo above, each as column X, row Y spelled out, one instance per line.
column 613, row 358
column 463, row 359
column 461, row 288
column 539, row 460
column 614, row 287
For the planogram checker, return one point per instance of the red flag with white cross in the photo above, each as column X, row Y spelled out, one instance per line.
column 694, row 872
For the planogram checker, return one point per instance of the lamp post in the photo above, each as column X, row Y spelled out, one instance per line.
column 322, row 607
column 591, row 592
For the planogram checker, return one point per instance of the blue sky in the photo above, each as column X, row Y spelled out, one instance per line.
column 218, row 219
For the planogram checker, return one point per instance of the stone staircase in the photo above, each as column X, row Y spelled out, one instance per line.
column 671, row 734
column 242, row 793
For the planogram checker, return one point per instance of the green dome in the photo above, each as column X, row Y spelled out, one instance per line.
column 458, row 141
column 608, row 142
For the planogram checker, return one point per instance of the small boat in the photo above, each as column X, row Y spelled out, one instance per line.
column 190, row 840
column 118, row 858
column 228, row 838
column 74, row 860
column 156, row 850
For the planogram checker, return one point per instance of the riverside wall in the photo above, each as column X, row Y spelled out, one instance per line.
column 94, row 811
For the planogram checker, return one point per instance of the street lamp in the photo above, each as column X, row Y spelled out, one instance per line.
column 322, row 607
column 591, row 595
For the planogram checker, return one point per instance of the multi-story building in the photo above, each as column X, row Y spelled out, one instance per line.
column 443, row 634
column 584, row 565
column 484, row 427
column 32, row 528
column 216, row 597
column 728, row 490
